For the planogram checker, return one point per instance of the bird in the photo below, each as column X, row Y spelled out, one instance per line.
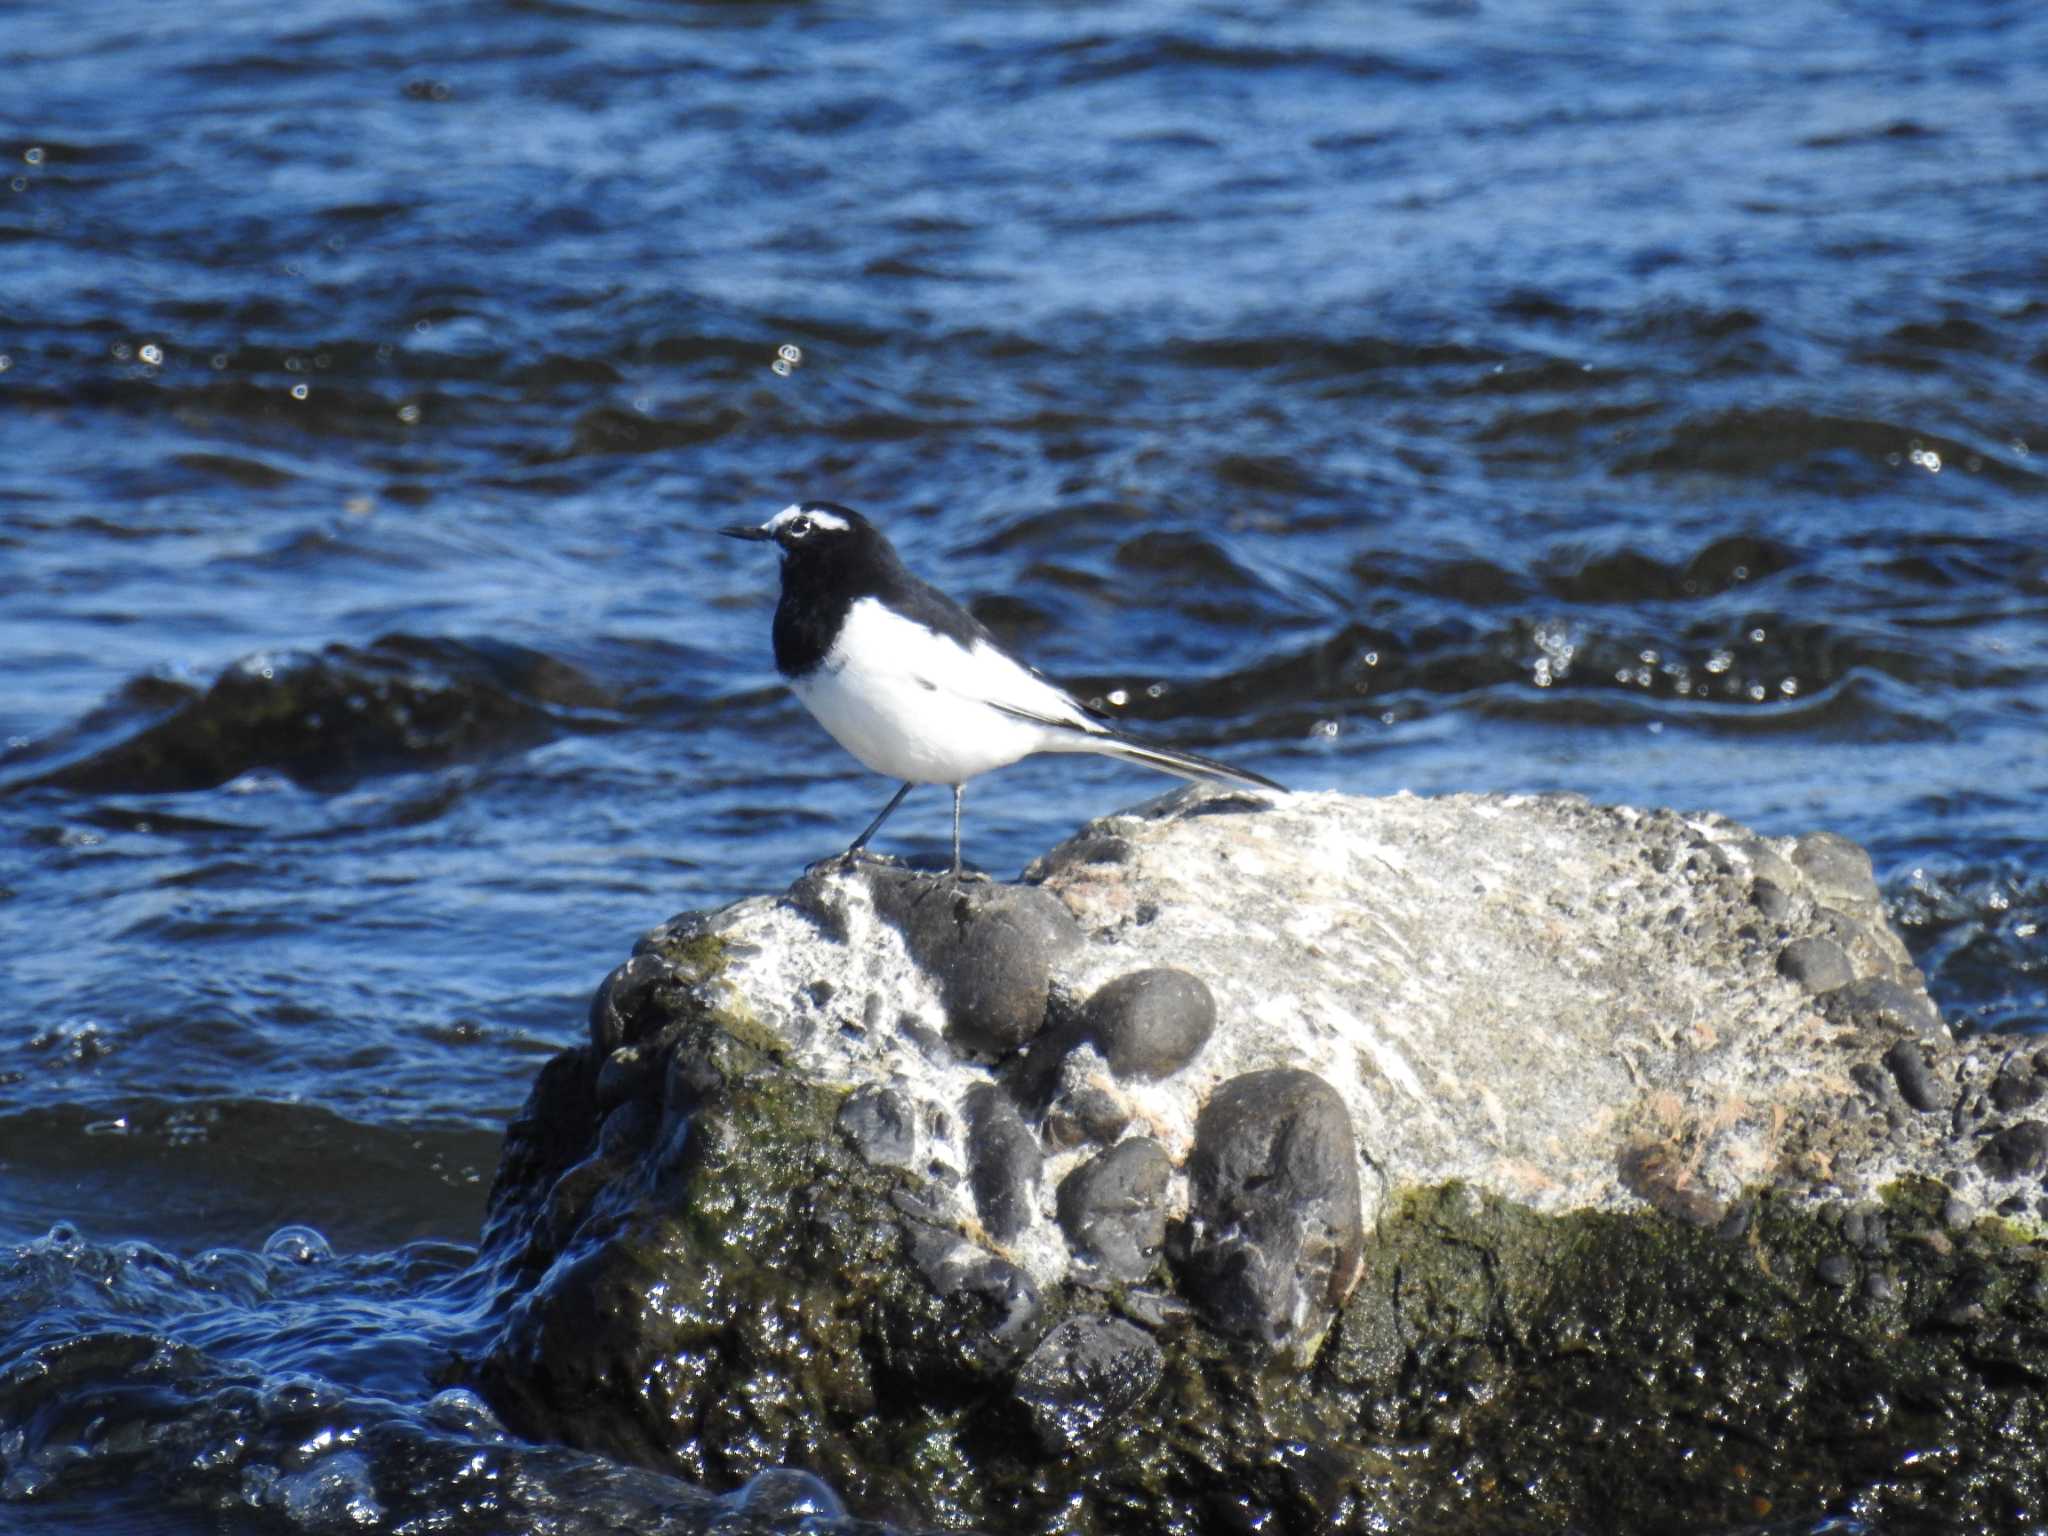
column 911, row 683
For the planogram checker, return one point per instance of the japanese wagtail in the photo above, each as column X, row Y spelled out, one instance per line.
column 911, row 683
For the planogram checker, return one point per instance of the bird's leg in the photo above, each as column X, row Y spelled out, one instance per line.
column 959, row 794
column 876, row 825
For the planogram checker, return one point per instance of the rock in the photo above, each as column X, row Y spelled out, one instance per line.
column 1084, row 1104
column 1817, row 964
column 1149, row 1024
column 1770, row 899
column 624, row 1009
column 1274, row 1217
column 2016, row 1086
column 991, row 949
column 2016, row 1151
column 1084, row 1376
column 881, row 1124
column 332, row 717
column 1112, row 1209
column 1005, row 1164
column 783, row 1207
column 1882, row 1005
column 1838, row 871
column 1917, row 1086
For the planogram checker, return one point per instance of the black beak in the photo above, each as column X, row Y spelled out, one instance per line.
column 743, row 531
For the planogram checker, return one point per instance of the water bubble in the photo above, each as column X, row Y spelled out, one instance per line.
column 19, row 183
column 152, row 353
column 6, row 362
column 1327, row 729
column 1756, row 636
column 218, row 361
column 297, row 1245
column 1656, row 727
column 1757, row 692
column 294, row 364
column 1927, row 459
column 408, row 413
column 300, row 391
column 1788, row 686
column 1155, row 690
column 123, row 352
column 1119, row 697
column 781, row 367
column 33, row 154
column 790, row 353
column 783, row 1493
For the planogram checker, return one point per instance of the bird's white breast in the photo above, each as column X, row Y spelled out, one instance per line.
column 913, row 704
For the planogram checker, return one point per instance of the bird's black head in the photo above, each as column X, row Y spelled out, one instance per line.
column 813, row 528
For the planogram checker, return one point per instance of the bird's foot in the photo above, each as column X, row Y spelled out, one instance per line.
column 852, row 859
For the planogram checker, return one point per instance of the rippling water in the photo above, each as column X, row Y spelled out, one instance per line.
column 1649, row 401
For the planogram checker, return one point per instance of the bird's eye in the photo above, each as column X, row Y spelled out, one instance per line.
column 799, row 527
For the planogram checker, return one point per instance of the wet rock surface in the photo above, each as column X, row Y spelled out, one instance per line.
column 1084, row 1374
column 335, row 715
column 1503, row 1116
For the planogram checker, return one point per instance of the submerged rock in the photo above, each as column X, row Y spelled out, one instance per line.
column 1505, row 1132
column 332, row 716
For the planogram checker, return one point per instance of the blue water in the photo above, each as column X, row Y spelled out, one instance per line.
column 1649, row 401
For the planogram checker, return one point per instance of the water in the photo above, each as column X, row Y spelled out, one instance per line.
column 1650, row 401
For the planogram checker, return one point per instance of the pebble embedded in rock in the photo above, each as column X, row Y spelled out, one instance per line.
column 1837, row 869
column 990, row 948
column 1112, row 1208
column 881, row 1124
column 1274, row 1232
column 1817, row 964
column 1882, row 1003
column 621, row 1011
column 1918, row 1086
column 1090, row 1113
column 1004, row 1163
column 1149, row 1024
column 2016, row 1086
column 629, row 1071
column 1770, row 899
column 1838, row 1270
column 1085, row 1375
column 2017, row 1149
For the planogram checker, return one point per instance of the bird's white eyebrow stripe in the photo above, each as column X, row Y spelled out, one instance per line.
column 791, row 513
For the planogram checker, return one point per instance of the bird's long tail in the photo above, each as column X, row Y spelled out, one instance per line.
column 1186, row 765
